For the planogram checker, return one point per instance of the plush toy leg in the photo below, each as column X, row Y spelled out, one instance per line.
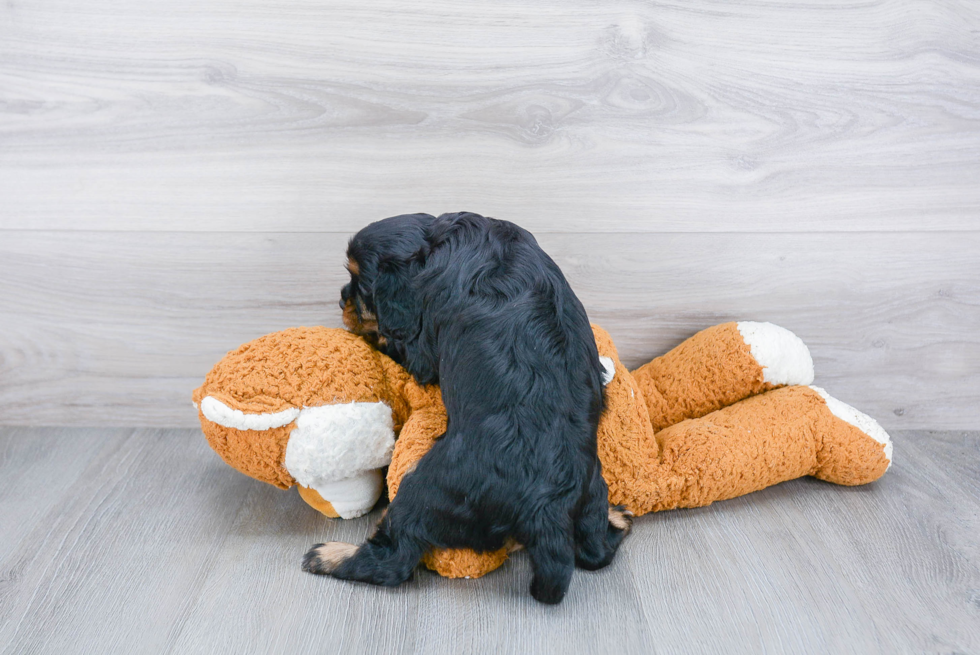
column 770, row 438
column 720, row 366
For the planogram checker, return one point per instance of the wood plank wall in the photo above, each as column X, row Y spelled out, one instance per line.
column 178, row 177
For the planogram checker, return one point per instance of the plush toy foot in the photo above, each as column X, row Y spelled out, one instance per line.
column 856, row 450
column 782, row 356
column 323, row 559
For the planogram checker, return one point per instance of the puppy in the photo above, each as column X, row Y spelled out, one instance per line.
column 475, row 304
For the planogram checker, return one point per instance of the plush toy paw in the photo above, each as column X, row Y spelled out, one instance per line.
column 783, row 357
column 855, row 449
column 323, row 559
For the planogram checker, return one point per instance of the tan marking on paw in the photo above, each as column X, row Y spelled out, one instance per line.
column 331, row 555
column 621, row 519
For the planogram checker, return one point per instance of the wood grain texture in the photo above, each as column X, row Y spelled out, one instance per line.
column 563, row 115
column 178, row 177
column 152, row 544
column 118, row 328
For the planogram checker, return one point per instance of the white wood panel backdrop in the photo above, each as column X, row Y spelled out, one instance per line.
column 178, row 177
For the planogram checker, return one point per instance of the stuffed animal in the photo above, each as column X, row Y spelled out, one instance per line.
column 725, row 413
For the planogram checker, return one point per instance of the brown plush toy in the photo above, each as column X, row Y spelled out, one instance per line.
column 725, row 413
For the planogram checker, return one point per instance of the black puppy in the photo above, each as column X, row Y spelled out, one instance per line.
column 475, row 304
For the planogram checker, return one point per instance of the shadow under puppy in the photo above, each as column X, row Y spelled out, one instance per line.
column 475, row 304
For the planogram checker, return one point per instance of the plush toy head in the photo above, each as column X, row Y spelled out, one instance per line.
column 314, row 407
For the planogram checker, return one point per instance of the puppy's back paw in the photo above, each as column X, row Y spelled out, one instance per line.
column 548, row 592
column 323, row 559
column 620, row 518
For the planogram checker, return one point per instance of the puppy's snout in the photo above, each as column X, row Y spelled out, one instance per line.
column 344, row 295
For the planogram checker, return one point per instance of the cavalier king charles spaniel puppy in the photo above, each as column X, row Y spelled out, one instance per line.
column 474, row 304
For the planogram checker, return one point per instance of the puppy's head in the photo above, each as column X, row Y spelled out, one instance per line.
column 380, row 302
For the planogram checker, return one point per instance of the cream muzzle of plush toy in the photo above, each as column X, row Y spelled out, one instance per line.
column 337, row 450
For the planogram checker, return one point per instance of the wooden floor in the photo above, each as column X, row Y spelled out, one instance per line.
column 143, row 541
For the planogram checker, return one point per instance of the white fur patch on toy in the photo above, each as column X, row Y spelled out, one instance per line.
column 860, row 420
column 217, row 412
column 783, row 356
column 608, row 369
column 334, row 443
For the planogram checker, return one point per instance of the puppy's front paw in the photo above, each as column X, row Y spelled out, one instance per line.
column 323, row 559
column 621, row 518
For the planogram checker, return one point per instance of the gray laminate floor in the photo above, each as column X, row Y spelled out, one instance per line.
column 143, row 541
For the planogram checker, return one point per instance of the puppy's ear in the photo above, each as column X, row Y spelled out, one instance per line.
column 397, row 301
